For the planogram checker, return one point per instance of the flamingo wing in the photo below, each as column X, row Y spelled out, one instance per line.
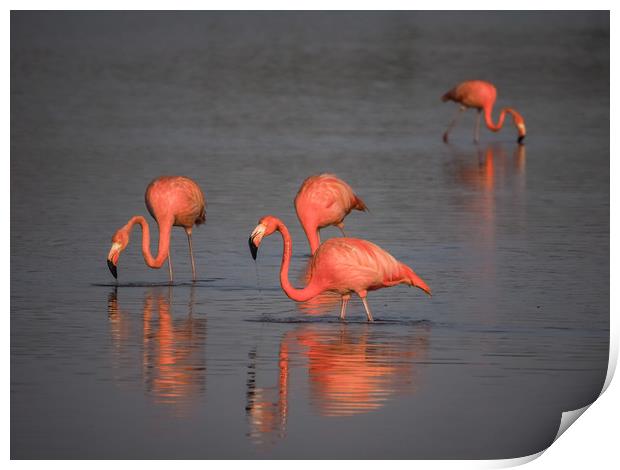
column 354, row 265
column 323, row 191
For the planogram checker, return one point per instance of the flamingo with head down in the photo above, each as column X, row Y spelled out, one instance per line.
column 324, row 200
column 481, row 96
column 343, row 265
column 172, row 201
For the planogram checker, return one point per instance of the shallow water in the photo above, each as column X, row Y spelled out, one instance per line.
column 514, row 241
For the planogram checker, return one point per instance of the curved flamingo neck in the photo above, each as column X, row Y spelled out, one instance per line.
column 312, row 233
column 300, row 295
column 164, row 241
column 488, row 118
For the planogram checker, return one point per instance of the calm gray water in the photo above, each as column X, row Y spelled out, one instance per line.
column 514, row 241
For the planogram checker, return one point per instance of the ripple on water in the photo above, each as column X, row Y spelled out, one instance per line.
column 196, row 283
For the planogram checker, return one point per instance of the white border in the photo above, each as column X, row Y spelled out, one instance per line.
column 592, row 442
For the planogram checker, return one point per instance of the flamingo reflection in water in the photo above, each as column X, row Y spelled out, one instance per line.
column 351, row 369
column 173, row 349
column 493, row 169
column 491, row 187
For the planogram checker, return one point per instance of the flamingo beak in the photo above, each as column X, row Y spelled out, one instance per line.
column 112, row 267
column 253, row 248
column 255, row 238
column 113, row 255
column 522, row 132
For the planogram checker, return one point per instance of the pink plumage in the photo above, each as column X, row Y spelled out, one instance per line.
column 348, row 265
column 342, row 265
column 172, row 201
column 324, row 200
column 176, row 197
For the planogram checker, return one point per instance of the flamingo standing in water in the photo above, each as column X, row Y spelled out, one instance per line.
column 342, row 265
column 481, row 95
column 172, row 201
column 324, row 200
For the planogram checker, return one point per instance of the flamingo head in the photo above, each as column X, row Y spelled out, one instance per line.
column 266, row 226
column 520, row 124
column 120, row 240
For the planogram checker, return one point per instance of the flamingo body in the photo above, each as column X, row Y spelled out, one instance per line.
column 172, row 201
column 347, row 265
column 342, row 265
column 324, row 200
column 176, row 197
column 472, row 94
column 481, row 95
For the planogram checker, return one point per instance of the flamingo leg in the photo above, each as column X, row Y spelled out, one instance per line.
column 341, row 227
column 453, row 122
column 191, row 253
column 368, row 313
column 343, row 307
column 170, row 266
column 477, row 128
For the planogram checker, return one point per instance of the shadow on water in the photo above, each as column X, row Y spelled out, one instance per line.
column 172, row 346
column 351, row 370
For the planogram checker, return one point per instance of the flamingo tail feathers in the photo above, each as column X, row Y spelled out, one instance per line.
column 202, row 217
column 448, row 96
column 360, row 205
column 415, row 280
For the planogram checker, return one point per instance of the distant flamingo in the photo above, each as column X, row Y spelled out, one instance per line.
column 324, row 200
column 481, row 95
column 342, row 265
column 172, row 201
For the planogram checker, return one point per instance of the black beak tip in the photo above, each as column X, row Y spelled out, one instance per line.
column 520, row 139
column 253, row 248
column 112, row 267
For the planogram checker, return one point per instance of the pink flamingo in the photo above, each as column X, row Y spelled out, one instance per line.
column 481, row 95
column 172, row 201
column 324, row 200
column 342, row 265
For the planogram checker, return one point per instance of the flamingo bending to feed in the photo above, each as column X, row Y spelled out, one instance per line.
column 342, row 265
column 324, row 200
column 481, row 95
column 172, row 201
